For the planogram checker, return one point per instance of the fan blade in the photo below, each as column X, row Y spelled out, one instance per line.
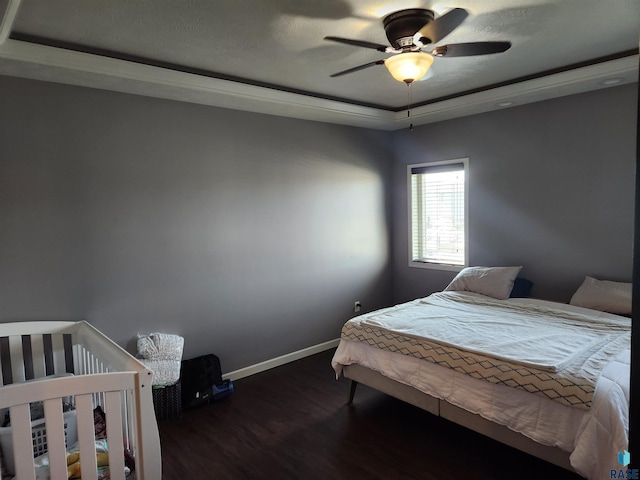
column 470, row 49
column 355, row 69
column 358, row 43
column 437, row 29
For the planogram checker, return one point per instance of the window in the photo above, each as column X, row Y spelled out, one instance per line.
column 438, row 214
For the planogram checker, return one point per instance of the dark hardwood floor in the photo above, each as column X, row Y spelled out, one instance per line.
column 292, row 422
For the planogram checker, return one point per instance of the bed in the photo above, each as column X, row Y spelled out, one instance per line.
column 78, row 380
column 553, row 383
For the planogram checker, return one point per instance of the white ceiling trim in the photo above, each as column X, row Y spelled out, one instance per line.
column 543, row 88
column 54, row 64
column 40, row 62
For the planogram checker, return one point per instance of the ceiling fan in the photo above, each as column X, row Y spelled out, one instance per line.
column 409, row 31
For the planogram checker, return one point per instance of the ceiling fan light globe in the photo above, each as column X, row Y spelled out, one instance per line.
column 409, row 67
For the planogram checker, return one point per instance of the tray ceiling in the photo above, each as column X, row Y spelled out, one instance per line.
column 270, row 56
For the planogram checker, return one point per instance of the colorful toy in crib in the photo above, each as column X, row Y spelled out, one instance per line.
column 73, row 464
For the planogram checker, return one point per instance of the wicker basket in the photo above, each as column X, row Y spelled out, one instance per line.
column 167, row 401
column 38, row 438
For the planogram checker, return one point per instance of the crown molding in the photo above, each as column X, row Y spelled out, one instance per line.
column 570, row 82
column 52, row 64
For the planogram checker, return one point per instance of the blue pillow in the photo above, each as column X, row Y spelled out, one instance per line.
column 521, row 288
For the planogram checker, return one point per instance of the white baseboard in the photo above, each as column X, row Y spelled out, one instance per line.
column 276, row 362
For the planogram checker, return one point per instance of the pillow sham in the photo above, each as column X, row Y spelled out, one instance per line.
column 496, row 282
column 603, row 295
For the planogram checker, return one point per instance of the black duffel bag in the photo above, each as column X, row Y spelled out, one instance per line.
column 198, row 377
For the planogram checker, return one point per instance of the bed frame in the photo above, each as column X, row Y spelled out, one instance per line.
column 359, row 374
column 50, row 361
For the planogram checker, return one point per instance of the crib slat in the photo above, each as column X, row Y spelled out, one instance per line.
column 58, row 353
column 22, row 446
column 27, row 357
column 68, row 352
column 48, row 354
column 128, row 419
column 113, row 411
column 17, row 364
column 86, row 436
column 55, row 438
column 37, row 353
column 5, row 361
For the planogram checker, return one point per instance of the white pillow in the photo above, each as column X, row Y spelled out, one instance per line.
column 603, row 295
column 496, row 282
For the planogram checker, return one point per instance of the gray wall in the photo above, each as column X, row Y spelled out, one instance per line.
column 252, row 235
column 249, row 235
column 551, row 189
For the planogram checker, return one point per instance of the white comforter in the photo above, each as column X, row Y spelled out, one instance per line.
column 593, row 437
column 530, row 335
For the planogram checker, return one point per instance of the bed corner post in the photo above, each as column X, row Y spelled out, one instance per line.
column 352, row 391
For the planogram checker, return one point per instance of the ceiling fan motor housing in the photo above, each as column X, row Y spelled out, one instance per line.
column 401, row 26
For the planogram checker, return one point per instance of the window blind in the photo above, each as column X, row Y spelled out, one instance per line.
column 437, row 214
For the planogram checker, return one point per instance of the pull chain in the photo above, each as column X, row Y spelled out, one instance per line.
column 409, row 106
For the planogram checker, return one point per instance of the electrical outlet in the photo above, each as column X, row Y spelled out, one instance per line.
column 357, row 306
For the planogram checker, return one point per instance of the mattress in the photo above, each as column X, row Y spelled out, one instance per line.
column 593, row 436
column 515, row 344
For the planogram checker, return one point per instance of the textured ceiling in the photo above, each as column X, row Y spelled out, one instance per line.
column 279, row 43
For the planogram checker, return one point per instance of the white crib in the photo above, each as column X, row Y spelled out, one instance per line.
column 51, row 361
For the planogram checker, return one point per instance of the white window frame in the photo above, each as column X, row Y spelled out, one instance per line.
column 434, row 265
